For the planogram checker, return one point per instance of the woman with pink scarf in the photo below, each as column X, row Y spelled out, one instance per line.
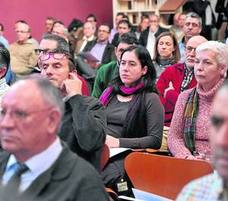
column 134, row 113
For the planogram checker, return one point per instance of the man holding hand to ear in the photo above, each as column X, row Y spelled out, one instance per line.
column 83, row 124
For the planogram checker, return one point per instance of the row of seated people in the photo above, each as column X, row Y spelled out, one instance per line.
column 134, row 91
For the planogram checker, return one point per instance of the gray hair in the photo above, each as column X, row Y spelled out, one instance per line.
column 50, row 94
column 219, row 48
column 194, row 15
column 62, row 44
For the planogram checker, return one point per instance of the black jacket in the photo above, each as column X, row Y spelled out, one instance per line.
column 144, row 35
column 83, row 127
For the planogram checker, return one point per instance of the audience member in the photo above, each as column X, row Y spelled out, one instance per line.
column 148, row 37
column 49, row 24
column 134, row 112
column 92, row 19
column 29, row 122
column 166, row 52
column 177, row 78
column 118, row 18
column 192, row 27
column 188, row 134
column 177, row 27
column 102, row 50
column 143, row 25
column 59, row 29
column 22, row 52
column 214, row 186
column 3, row 40
column 124, row 26
column 88, row 39
column 107, row 72
column 83, row 124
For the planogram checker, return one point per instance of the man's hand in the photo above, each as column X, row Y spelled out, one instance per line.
column 112, row 141
column 169, row 88
column 72, row 85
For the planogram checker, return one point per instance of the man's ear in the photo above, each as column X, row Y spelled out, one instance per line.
column 54, row 121
column 223, row 70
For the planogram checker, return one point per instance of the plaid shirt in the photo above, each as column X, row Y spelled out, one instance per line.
column 207, row 188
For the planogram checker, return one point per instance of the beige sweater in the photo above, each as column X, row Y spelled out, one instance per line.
column 23, row 57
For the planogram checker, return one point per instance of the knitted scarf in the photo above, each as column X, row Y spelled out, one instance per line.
column 122, row 90
column 190, row 115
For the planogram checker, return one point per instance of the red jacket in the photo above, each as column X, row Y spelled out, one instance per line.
column 175, row 74
column 85, row 88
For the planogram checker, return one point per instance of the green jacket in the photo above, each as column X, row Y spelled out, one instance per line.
column 105, row 75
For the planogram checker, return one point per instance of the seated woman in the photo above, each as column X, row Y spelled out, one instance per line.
column 188, row 135
column 134, row 112
column 166, row 52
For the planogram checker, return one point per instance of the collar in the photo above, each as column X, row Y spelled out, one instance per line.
column 102, row 42
column 36, row 163
column 89, row 39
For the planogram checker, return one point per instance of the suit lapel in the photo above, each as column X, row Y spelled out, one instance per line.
column 60, row 170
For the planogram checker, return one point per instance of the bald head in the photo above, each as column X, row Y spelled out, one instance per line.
column 190, row 48
column 30, row 118
column 197, row 40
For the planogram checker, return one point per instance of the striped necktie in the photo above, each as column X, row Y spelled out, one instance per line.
column 15, row 180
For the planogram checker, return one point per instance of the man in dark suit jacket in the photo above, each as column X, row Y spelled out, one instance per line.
column 101, row 48
column 154, row 27
column 84, row 121
column 154, row 30
column 29, row 122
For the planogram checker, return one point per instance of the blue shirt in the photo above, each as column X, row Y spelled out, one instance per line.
column 207, row 188
column 37, row 165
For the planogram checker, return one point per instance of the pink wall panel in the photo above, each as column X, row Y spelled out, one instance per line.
column 35, row 12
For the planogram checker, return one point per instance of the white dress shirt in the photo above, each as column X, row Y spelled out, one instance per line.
column 37, row 165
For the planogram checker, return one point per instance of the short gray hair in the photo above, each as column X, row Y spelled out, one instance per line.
column 194, row 15
column 62, row 44
column 219, row 48
column 50, row 94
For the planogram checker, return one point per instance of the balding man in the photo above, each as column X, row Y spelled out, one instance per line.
column 29, row 122
column 22, row 52
column 177, row 78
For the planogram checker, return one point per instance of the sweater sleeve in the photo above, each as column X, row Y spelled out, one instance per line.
column 175, row 137
column 154, row 122
column 89, row 122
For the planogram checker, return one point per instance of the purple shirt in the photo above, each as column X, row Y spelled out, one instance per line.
column 98, row 50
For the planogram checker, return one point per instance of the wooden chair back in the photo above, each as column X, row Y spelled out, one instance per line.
column 163, row 175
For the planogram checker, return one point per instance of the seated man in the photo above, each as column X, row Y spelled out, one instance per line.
column 29, row 121
column 214, row 186
column 83, row 124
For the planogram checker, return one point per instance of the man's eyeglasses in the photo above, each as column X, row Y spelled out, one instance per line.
column 190, row 48
column 20, row 114
column 45, row 54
